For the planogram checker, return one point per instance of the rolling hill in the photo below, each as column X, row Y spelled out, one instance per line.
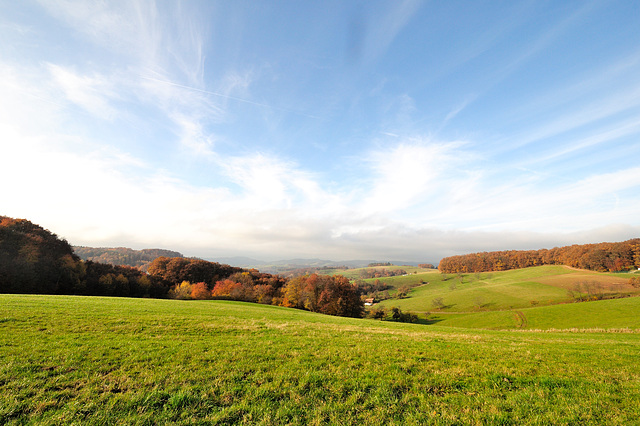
column 474, row 296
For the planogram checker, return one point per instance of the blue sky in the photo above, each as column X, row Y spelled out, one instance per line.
column 344, row 130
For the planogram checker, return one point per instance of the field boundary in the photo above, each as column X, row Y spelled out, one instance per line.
column 580, row 330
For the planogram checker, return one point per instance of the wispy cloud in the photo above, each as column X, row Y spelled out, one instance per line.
column 382, row 29
column 89, row 92
column 595, row 110
column 611, row 133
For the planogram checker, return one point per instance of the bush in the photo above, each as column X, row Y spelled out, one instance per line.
column 378, row 312
column 398, row 315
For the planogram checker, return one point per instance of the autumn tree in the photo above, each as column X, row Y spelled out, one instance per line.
column 227, row 289
column 333, row 295
column 199, row 291
column 181, row 291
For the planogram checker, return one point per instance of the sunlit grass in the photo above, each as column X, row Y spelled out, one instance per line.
column 602, row 314
column 106, row 361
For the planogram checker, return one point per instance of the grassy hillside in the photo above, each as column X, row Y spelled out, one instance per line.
column 515, row 289
column 601, row 314
column 139, row 361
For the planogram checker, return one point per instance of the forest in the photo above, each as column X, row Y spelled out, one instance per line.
column 601, row 257
column 34, row 260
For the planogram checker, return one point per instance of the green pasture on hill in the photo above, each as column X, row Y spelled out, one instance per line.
column 505, row 290
column 101, row 361
column 618, row 314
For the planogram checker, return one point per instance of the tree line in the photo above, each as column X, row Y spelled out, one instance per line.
column 601, row 257
column 381, row 273
column 34, row 260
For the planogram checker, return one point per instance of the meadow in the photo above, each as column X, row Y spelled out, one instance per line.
column 93, row 360
column 506, row 290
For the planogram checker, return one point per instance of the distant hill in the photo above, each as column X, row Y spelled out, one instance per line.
column 123, row 256
column 286, row 266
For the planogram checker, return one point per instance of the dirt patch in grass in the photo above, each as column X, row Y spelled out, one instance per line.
column 606, row 282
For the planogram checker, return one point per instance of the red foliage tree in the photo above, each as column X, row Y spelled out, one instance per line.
column 227, row 289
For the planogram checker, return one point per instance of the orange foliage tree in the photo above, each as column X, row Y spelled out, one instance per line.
column 199, row 291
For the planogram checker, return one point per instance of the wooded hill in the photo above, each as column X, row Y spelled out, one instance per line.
column 123, row 256
column 602, row 257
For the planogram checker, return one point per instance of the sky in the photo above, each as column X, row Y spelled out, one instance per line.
column 341, row 130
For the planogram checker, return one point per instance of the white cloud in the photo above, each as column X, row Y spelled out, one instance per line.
column 192, row 135
column 89, row 92
column 407, row 173
column 271, row 184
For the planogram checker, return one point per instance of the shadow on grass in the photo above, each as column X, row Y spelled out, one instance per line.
column 487, row 305
column 428, row 321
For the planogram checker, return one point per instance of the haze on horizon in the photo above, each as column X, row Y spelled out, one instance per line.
column 342, row 130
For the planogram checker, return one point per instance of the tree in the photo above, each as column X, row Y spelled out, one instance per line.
column 199, row 291
column 332, row 295
column 403, row 292
column 437, row 303
column 398, row 315
column 181, row 291
column 379, row 312
column 226, row 289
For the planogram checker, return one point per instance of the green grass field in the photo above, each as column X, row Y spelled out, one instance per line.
column 616, row 314
column 79, row 360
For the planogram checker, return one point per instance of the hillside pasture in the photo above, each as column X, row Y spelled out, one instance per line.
column 97, row 361
column 504, row 290
column 613, row 314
